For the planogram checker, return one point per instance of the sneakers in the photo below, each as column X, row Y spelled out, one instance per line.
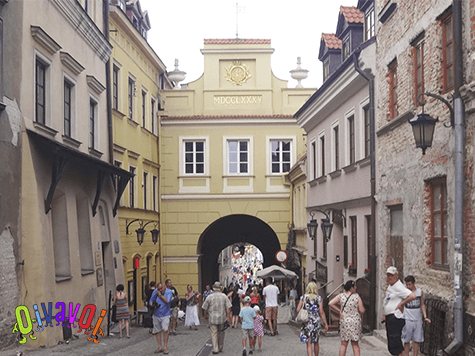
column 250, row 352
column 244, row 352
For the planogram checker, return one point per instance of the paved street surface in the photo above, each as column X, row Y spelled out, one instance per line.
column 194, row 343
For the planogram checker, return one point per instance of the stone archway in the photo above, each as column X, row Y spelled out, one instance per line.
column 229, row 230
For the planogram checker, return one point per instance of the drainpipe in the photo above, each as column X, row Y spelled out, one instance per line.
column 459, row 139
column 105, row 15
column 372, row 145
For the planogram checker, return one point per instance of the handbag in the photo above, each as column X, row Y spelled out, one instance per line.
column 302, row 316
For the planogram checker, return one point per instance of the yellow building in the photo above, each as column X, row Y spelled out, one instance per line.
column 298, row 244
column 226, row 141
column 137, row 75
column 69, row 247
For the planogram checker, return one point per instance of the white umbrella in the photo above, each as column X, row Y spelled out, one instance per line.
column 276, row 272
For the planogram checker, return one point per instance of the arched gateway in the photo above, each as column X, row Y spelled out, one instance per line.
column 227, row 231
column 227, row 143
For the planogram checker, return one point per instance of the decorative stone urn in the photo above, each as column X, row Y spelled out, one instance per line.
column 177, row 75
column 299, row 74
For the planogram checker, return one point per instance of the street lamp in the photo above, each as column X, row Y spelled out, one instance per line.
column 141, row 231
column 155, row 234
column 423, row 125
column 327, row 226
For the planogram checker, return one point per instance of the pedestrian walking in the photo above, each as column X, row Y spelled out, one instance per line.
column 349, row 307
column 310, row 332
column 218, row 307
column 192, row 300
column 255, row 297
column 174, row 306
column 161, row 298
column 414, row 312
column 122, row 309
column 247, row 316
column 397, row 296
column 206, row 293
column 258, row 328
column 235, row 298
column 270, row 294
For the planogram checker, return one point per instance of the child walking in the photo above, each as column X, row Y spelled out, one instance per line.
column 258, row 328
column 247, row 315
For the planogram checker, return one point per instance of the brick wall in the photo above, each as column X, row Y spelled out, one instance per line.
column 403, row 172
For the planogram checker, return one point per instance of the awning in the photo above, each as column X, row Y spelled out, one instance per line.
column 276, row 272
column 61, row 157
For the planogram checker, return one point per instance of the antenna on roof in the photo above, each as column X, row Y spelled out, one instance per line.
column 238, row 10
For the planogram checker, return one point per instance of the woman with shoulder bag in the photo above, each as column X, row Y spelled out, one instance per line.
column 192, row 299
column 310, row 331
column 122, row 310
column 349, row 306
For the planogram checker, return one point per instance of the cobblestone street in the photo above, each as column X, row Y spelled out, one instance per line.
column 191, row 343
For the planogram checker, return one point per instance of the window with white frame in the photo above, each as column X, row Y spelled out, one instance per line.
column 93, row 120
column 152, row 114
column 322, row 155
column 194, row 154
column 351, row 139
column 336, row 147
column 42, row 76
column 238, row 156
column 132, row 188
column 115, row 87
column 131, row 88
column 145, row 189
column 67, row 107
column 314, row 159
column 369, row 24
column 154, row 193
column 144, row 105
column 281, row 155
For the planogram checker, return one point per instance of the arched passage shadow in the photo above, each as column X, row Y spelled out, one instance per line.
column 229, row 230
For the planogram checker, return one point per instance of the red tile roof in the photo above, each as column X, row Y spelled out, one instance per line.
column 352, row 14
column 230, row 117
column 236, row 41
column 331, row 41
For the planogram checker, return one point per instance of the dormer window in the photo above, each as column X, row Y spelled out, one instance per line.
column 369, row 24
column 345, row 48
column 326, row 69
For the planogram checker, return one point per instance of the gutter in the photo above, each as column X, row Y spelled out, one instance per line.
column 459, row 126
column 372, row 145
column 105, row 15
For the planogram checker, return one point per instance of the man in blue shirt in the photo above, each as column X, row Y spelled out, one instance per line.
column 161, row 316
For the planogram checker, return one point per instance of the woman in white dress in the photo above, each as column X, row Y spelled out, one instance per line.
column 192, row 300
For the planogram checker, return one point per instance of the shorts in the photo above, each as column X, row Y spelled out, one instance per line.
column 413, row 331
column 271, row 313
column 394, row 328
column 247, row 333
column 174, row 312
column 161, row 323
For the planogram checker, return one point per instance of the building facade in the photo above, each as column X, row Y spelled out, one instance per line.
column 65, row 241
column 137, row 76
column 420, row 229
column 337, row 121
column 227, row 140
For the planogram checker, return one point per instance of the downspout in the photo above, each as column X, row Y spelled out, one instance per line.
column 105, row 15
column 459, row 139
column 372, row 146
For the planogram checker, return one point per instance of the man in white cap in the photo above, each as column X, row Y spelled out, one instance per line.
column 397, row 296
column 218, row 307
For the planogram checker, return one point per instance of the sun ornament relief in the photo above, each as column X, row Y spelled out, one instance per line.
column 237, row 73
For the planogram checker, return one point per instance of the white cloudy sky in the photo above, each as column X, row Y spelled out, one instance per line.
column 295, row 27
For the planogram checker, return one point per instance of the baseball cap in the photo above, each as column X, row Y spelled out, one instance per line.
column 256, row 308
column 247, row 299
column 392, row 270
